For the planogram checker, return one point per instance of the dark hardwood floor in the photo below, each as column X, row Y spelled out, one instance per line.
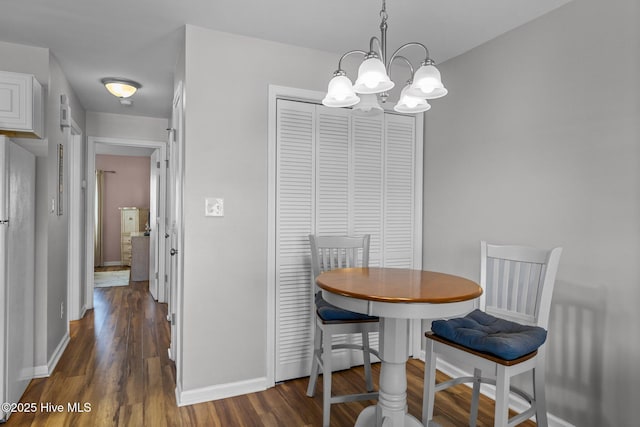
column 117, row 363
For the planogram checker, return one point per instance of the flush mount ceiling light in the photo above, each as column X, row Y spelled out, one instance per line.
column 373, row 78
column 121, row 88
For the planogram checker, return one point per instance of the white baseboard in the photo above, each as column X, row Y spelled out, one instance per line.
column 43, row 371
column 112, row 263
column 222, row 391
column 516, row 403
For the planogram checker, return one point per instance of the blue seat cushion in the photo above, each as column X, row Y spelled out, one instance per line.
column 328, row 312
column 488, row 334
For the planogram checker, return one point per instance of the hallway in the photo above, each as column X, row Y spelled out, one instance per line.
column 116, row 362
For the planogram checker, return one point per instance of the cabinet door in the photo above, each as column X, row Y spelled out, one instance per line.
column 21, row 105
column 15, row 101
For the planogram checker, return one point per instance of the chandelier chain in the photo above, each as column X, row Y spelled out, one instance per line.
column 383, row 12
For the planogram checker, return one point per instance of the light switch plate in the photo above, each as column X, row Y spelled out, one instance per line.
column 213, row 206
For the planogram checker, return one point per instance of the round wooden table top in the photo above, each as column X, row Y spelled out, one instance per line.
column 398, row 285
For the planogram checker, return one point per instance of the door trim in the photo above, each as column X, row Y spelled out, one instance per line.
column 76, row 307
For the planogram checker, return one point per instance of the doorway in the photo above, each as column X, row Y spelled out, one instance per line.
column 98, row 145
column 122, row 217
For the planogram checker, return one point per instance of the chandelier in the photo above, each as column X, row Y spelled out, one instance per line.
column 373, row 82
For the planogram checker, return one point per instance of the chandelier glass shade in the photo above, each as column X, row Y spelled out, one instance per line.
column 411, row 104
column 368, row 105
column 373, row 79
column 340, row 93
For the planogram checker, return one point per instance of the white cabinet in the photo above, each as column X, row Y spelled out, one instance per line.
column 21, row 105
column 132, row 222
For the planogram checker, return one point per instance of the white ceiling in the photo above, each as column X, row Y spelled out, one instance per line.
column 140, row 39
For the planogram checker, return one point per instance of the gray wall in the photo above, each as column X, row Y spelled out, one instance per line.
column 226, row 79
column 538, row 143
column 58, row 227
column 19, row 58
column 127, row 127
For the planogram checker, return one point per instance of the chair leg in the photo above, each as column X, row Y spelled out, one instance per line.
column 326, row 378
column 475, row 397
column 502, row 398
column 315, row 362
column 539, row 394
column 366, row 356
column 428, row 395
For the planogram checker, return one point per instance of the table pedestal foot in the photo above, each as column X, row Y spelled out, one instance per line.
column 369, row 418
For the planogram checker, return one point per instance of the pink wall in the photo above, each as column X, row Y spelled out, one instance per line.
column 128, row 187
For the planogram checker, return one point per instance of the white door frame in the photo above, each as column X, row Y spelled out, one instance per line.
column 155, row 189
column 90, row 202
column 76, row 307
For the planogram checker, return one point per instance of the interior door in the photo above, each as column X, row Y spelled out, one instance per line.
column 154, row 224
column 174, row 220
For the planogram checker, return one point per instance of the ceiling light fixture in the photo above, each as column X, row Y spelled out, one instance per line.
column 121, row 88
column 373, row 78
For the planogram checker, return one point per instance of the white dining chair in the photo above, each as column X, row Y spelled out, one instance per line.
column 505, row 337
column 329, row 253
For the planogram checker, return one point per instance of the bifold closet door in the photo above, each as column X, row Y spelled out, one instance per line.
column 337, row 174
column 295, row 204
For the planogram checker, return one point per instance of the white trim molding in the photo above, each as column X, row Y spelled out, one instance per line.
column 221, row 391
column 112, row 263
column 516, row 403
column 44, row 371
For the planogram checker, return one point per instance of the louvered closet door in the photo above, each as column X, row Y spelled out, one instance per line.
column 295, row 140
column 367, row 166
column 337, row 174
column 399, row 191
column 333, row 135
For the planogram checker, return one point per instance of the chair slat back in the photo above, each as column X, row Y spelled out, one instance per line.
column 518, row 282
column 332, row 252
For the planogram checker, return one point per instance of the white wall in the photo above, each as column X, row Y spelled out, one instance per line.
column 538, row 143
column 110, row 125
column 225, row 306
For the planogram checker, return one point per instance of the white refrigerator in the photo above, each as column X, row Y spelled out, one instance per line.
column 17, row 275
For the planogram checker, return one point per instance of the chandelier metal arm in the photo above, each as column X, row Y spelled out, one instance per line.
column 381, row 50
column 351, row 52
column 395, row 54
column 411, row 70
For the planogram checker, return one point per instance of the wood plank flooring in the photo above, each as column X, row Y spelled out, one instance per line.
column 117, row 363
